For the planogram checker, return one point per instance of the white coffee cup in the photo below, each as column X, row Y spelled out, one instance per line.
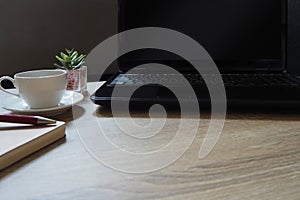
column 39, row 88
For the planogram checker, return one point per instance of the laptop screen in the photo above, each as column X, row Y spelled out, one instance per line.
column 240, row 35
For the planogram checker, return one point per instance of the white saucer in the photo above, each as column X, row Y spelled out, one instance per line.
column 17, row 105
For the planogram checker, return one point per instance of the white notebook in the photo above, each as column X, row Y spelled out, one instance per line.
column 18, row 140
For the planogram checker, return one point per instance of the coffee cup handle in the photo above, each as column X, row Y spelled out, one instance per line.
column 5, row 90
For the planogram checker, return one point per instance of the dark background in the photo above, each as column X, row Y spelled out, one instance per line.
column 33, row 31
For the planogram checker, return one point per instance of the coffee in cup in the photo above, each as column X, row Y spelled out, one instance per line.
column 39, row 88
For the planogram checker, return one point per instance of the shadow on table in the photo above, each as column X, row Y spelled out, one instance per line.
column 69, row 115
column 238, row 113
column 30, row 158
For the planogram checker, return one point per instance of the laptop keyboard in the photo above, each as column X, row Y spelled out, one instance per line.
column 231, row 80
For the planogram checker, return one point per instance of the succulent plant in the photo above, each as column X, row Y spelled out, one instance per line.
column 70, row 59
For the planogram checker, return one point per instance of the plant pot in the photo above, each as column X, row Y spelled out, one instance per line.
column 77, row 79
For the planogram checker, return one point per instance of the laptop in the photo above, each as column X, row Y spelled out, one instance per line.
column 246, row 39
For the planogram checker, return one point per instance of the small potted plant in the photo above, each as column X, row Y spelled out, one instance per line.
column 72, row 62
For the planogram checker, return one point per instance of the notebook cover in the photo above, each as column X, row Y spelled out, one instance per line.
column 18, row 140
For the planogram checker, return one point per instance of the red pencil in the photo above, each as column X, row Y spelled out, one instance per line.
column 25, row 119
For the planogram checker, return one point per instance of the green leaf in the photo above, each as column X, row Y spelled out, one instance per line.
column 79, row 65
column 56, row 65
column 74, row 55
column 69, row 51
column 65, row 57
column 60, row 59
column 81, row 57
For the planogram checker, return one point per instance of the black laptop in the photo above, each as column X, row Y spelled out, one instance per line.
column 245, row 38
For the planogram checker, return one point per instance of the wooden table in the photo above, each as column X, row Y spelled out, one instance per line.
column 257, row 157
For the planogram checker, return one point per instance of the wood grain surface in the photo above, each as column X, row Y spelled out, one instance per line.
column 256, row 157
